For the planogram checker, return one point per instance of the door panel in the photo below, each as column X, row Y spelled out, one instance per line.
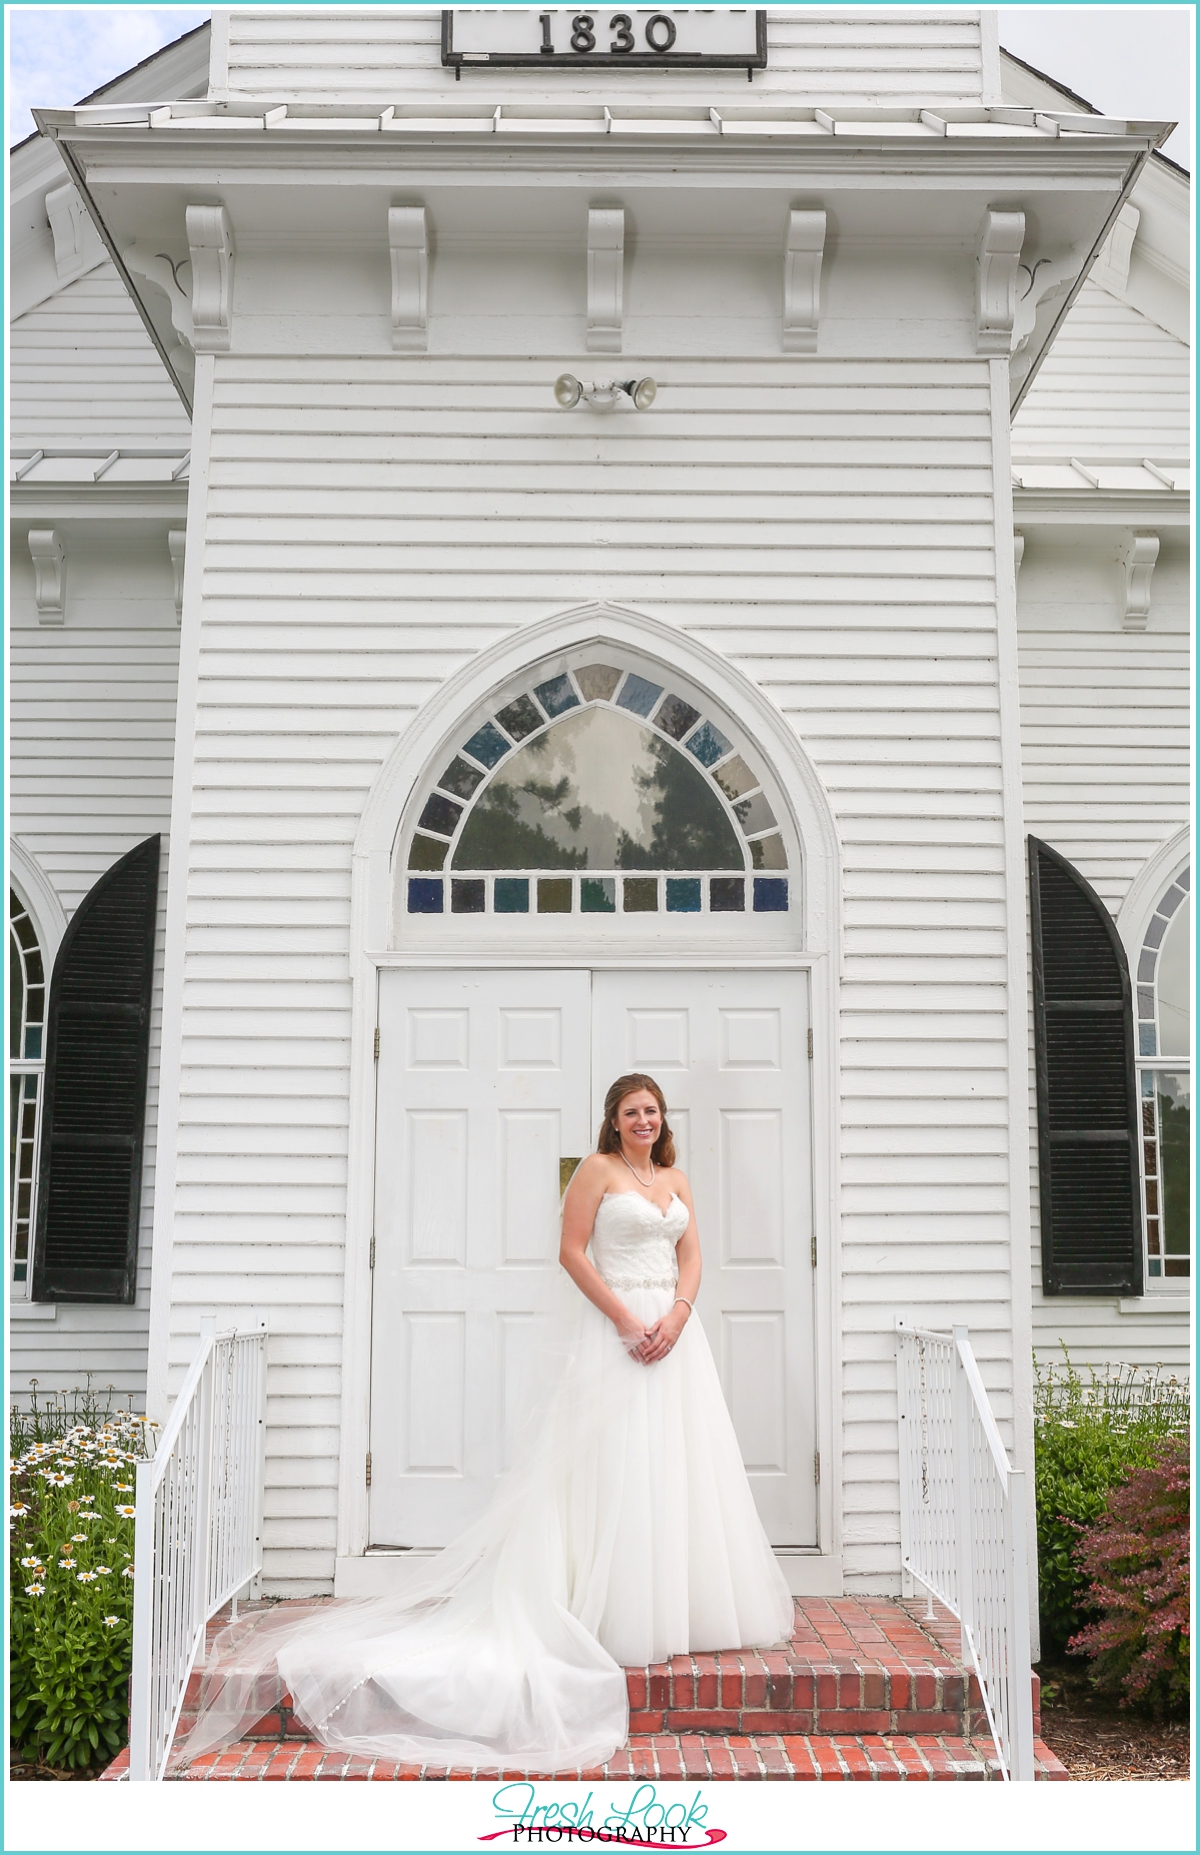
column 730, row 1051
column 482, row 1087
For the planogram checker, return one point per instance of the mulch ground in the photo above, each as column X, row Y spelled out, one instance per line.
column 1098, row 1741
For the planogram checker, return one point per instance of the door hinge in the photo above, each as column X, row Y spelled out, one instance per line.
column 816, row 1467
column 809, row 1044
column 814, row 1249
column 368, row 1468
column 377, row 1044
column 372, row 1262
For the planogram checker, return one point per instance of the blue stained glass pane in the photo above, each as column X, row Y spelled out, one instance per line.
column 708, row 744
column 597, row 895
column 33, row 1042
column 425, row 895
column 770, row 895
column 726, row 895
column 487, row 745
column 683, row 895
column 1146, row 1040
column 556, row 696
column 638, row 696
column 511, row 895
column 1148, row 1084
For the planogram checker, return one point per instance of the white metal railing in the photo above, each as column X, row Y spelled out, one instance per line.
column 198, row 1532
column 962, row 1526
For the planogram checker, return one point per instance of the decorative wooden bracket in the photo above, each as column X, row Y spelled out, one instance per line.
column 1112, row 266
column 1001, row 236
column 605, row 279
column 803, row 251
column 70, row 225
column 1018, row 553
column 408, row 236
column 176, row 546
column 1140, row 558
column 210, row 242
column 50, row 575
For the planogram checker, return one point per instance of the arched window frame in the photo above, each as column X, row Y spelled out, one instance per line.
column 1151, row 1064
column 26, row 1081
column 770, row 889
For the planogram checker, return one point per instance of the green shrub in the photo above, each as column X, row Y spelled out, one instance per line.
column 71, row 1515
column 1137, row 1557
column 1088, row 1435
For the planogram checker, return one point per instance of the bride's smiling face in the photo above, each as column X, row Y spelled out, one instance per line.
column 638, row 1121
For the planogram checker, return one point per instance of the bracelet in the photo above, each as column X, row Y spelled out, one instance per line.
column 687, row 1304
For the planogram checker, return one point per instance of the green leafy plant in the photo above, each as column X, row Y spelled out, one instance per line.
column 1136, row 1557
column 71, row 1514
column 1089, row 1432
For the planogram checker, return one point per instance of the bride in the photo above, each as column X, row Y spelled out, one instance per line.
column 626, row 1532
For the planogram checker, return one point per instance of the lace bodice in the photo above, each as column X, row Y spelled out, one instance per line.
column 633, row 1242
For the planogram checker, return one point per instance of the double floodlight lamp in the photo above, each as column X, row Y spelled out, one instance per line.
column 604, row 394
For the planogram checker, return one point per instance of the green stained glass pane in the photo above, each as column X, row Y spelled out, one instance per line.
column 640, row 895
column 461, row 778
column 598, row 791
column 597, row 895
column 426, row 853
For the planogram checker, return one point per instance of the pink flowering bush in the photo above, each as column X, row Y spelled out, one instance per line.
column 1136, row 1555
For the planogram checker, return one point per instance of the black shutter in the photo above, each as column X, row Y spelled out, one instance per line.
column 1086, row 1087
column 94, row 1114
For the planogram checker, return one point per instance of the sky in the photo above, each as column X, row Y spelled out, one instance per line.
column 1126, row 60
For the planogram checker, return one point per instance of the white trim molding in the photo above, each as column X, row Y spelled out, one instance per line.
column 49, row 558
column 40, row 897
column 1147, row 889
column 804, row 250
column 408, row 241
column 440, row 721
column 605, row 278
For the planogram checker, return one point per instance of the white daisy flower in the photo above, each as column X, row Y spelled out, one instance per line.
column 35, row 1590
column 126, row 1512
column 31, row 1565
column 86, row 1577
column 66, row 1565
column 79, row 1539
column 103, row 1571
column 110, row 1622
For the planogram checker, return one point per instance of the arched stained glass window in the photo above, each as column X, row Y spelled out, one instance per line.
column 26, row 1032
column 1164, row 998
column 597, row 791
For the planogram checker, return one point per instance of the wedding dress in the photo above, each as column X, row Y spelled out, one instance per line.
column 627, row 1533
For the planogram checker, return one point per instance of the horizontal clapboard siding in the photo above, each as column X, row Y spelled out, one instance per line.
column 370, row 526
column 92, row 732
column 84, row 371
column 1113, row 385
column 898, row 57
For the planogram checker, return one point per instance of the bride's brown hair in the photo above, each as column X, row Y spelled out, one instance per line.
column 663, row 1150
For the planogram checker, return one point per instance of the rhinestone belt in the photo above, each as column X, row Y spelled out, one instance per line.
column 630, row 1281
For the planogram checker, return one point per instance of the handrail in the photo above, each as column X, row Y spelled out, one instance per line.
column 198, row 1530
column 963, row 1514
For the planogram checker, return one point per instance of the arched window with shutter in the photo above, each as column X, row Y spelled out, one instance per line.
column 93, row 1119
column 1086, row 1086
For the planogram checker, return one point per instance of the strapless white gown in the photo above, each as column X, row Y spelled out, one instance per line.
column 627, row 1534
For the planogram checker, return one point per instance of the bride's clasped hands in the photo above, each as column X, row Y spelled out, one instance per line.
column 628, row 1167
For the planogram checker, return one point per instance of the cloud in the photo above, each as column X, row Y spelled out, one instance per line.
column 1127, row 61
column 57, row 55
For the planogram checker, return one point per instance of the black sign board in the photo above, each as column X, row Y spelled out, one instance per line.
column 680, row 38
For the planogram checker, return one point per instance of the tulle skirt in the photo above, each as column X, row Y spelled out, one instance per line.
column 625, row 1534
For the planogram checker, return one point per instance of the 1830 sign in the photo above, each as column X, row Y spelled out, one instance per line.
column 687, row 38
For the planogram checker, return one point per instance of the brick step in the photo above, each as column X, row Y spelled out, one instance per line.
column 853, row 1666
column 830, row 1758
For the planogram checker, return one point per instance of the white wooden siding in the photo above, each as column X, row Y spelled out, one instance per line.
column 84, row 372
column 371, row 524
column 814, row 55
column 1113, row 385
column 92, row 730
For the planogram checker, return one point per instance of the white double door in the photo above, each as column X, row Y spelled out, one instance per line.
column 487, row 1082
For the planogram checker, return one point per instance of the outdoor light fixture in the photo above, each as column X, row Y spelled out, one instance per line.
column 604, row 394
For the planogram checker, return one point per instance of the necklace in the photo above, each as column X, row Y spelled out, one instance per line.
column 637, row 1175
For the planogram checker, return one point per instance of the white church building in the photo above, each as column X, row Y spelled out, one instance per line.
column 541, row 549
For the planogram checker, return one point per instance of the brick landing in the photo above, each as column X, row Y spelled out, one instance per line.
column 866, row 1689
